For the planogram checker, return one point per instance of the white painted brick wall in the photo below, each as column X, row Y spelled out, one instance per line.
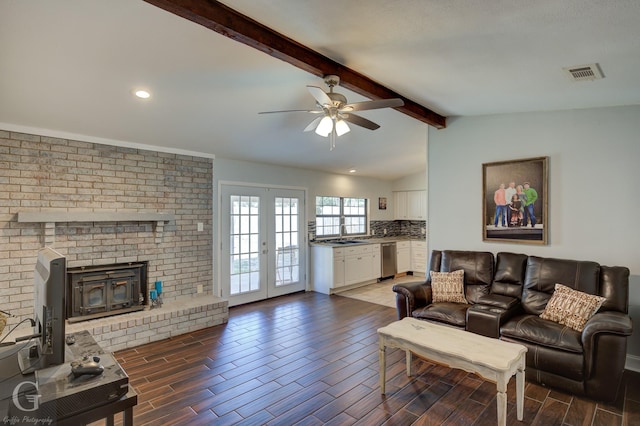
column 38, row 172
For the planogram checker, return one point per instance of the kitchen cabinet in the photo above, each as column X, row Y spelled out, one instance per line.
column 400, row 211
column 376, row 266
column 419, row 257
column 335, row 267
column 359, row 263
column 417, row 205
column 327, row 268
column 410, row 205
column 403, row 256
column 338, row 267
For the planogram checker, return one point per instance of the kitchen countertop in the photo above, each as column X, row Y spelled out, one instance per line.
column 363, row 241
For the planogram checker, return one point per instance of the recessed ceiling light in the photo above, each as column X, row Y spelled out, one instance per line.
column 352, row 171
column 142, row 94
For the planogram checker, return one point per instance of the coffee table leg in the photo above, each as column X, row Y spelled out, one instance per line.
column 501, row 399
column 520, row 390
column 409, row 357
column 382, row 361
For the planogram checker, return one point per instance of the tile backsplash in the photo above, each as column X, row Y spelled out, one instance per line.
column 395, row 228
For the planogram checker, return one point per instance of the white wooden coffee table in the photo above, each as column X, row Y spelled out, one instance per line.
column 492, row 359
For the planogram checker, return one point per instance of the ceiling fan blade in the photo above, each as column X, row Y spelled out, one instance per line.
column 313, row 124
column 360, row 121
column 320, row 95
column 311, row 111
column 381, row 103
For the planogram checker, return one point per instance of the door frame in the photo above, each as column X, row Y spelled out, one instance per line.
column 217, row 251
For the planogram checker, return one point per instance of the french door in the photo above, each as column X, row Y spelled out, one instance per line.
column 263, row 251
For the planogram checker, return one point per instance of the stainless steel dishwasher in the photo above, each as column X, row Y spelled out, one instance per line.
column 388, row 259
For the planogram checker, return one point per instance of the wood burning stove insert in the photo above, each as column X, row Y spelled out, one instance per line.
column 99, row 291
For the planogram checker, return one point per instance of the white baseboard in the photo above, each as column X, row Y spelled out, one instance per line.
column 632, row 363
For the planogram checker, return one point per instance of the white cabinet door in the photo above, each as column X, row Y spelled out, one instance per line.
column 410, row 205
column 338, row 269
column 356, row 268
column 358, row 263
column 400, row 205
column 417, row 205
column 376, row 265
column 403, row 256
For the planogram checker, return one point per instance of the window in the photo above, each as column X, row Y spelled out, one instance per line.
column 339, row 217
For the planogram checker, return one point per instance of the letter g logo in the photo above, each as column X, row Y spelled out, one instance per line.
column 33, row 399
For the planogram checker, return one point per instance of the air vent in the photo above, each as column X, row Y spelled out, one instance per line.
column 584, row 72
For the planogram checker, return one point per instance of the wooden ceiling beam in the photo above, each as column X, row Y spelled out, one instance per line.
column 228, row 22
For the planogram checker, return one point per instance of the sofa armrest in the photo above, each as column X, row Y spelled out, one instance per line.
column 609, row 322
column 410, row 296
column 499, row 301
column 605, row 335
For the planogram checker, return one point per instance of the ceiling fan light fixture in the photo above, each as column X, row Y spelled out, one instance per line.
column 342, row 127
column 325, row 126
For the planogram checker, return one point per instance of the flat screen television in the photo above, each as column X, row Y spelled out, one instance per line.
column 48, row 313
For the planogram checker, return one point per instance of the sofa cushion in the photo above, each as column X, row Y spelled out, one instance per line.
column 478, row 270
column 539, row 331
column 509, row 276
column 551, row 366
column 570, row 307
column 446, row 312
column 448, row 286
column 542, row 274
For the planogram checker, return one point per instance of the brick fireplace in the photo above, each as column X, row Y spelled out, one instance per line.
column 101, row 291
column 101, row 205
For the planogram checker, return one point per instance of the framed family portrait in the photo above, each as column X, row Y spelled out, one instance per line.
column 514, row 201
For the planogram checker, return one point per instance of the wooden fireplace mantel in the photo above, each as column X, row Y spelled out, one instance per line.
column 50, row 217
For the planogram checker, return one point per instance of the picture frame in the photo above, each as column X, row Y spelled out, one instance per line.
column 382, row 203
column 518, row 220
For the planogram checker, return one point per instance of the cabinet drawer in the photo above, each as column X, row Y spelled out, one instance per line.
column 338, row 252
column 419, row 254
column 403, row 244
column 362, row 249
column 419, row 245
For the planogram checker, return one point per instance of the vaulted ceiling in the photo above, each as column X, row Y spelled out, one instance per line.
column 69, row 67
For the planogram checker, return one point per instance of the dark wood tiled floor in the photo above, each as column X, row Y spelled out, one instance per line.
column 312, row 359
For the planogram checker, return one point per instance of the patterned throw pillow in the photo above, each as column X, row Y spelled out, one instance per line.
column 448, row 286
column 571, row 307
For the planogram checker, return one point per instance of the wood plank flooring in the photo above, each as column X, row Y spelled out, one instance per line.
column 312, row 359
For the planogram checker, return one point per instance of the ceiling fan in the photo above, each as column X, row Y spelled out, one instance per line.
column 336, row 112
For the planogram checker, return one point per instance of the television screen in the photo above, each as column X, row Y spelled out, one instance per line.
column 49, row 313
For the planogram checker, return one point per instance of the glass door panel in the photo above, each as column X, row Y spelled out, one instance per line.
column 263, row 253
column 244, row 251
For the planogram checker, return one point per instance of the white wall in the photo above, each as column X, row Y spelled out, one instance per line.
column 414, row 182
column 316, row 183
column 594, row 173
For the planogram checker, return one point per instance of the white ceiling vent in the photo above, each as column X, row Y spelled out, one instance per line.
column 584, row 72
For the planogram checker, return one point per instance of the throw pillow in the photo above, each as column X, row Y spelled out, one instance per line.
column 448, row 286
column 571, row 307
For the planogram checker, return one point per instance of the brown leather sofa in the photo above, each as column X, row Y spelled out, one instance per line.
column 506, row 296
